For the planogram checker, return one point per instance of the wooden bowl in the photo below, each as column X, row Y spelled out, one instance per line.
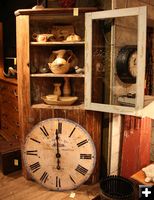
column 62, row 101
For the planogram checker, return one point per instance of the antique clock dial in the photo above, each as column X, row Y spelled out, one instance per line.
column 132, row 64
column 59, row 154
column 126, row 64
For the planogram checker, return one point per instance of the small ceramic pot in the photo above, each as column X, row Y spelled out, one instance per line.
column 61, row 61
column 43, row 37
column 57, row 90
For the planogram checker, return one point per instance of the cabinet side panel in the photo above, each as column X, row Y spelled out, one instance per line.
column 22, row 30
column 23, row 69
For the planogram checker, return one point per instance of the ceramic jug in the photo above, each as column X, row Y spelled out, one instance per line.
column 61, row 61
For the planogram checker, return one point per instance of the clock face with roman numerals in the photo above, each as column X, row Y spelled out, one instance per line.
column 59, row 154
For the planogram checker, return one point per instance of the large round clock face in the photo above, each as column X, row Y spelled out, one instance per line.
column 59, row 154
column 132, row 64
column 126, row 64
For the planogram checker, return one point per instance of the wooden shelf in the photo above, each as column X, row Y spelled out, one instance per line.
column 50, row 11
column 124, row 100
column 45, row 106
column 56, row 43
column 58, row 75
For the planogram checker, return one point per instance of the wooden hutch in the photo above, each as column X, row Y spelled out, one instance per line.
column 32, row 86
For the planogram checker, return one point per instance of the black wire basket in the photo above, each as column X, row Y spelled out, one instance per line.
column 117, row 187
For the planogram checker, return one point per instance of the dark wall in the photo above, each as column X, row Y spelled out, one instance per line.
column 7, row 8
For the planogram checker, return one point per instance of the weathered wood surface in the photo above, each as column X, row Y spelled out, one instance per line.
column 135, row 144
column 16, row 187
column 9, row 119
column 6, row 147
column 52, row 11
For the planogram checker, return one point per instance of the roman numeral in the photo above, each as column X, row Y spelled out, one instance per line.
column 72, row 179
column 72, row 132
column 44, row 177
column 32, row 153
column 58, row 182
column 44, row 131
column 82, row 143
column 59, row 127
column 81, row 170
column 35, row 140
column 85, row 156
column 34, row 167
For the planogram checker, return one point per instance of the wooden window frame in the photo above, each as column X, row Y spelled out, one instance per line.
column 141, row 14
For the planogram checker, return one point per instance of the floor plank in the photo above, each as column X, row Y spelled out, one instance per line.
column 15, row 187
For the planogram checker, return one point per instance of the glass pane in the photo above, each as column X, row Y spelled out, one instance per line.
column 114, row 61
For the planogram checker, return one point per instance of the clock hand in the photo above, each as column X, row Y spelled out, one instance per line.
column 58, row 163
column 57, row 154
column 57, row 138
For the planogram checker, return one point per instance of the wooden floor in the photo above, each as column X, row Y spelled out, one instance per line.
column 15, row 187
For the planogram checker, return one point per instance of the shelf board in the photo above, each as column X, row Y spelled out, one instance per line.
column 58, row 11
column 58, row 75
column 45, row 106
column 126, row 101
column 56, row 43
